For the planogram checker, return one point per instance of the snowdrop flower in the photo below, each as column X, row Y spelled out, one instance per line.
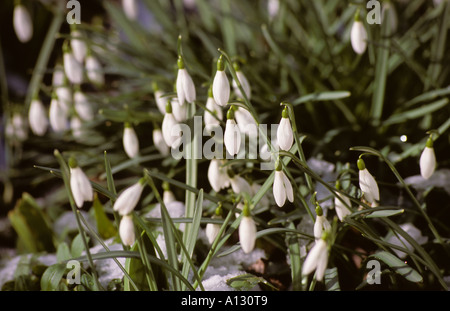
column 72, row 67
column 161, row 101
column 367, row 183
column 285, row 135
column 245, row 121
column 428, row 160
column 214, row 115
column 57, row 115
column 212, row 229
column 221, row 86
column 23, row 26
column 94, row 70
column 217, row 175
column 240, row 185
column 185, row 84
column 358, row 36
column 126, row 230
column 58, row 77
column 158, row 141
column 179, row 111
column 79, row 48
column 317, row 259
column 79, row 184
column 273, row 6
column 168, row 124
column 16, row 127
column 247, row 231
column 232, row 135
column 130, row 7
column 282, row 187
column 76, row 126
column 82, row 106
column 341, row 207
column 37, row 117
column 321, row 224
column 243, row 81
column 130, row 141
column 65, row 97
column 129, row 198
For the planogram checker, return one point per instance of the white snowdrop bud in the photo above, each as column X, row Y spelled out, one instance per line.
column 72, row 67
column 243, row 82
column 214, row 115
column 341, row 207
column 217, row 175
column 247, row 231
column 23, row 25
column 232, row 135
column 58, row 76
column 282, row 187
column 160, row 99
column 367, row 183
column 321, row 224
column 358, row 36
column 317, row 259
column 170, row 134
column 179, row 111
column 130, row 141
column 245, row 121
column 82, row 106
column 428, row 160
column 240, row 185
column 57, row 116
column 285, row 135
column 126, row 230
column 129, row 198
column 65, row 97
column 76, row 126
column 94, row 70
column 158, row 141
column 79, row 184
column 37, row 117
column 212, row 229
column 78, row 45
column 221, row 86
column 185, row 84
column 130, row 7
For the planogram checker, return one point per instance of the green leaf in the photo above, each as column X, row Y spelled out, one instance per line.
column 321, row 96
column 332, row 279
column 248, row 281
column 105, row 227
column 63, row 252
column 399, row 266
column 52, row 277
column 77, row 246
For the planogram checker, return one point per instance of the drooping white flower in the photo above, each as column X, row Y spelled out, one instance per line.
column 76, row 126
column 161, row 100
column 37, row 117
column 80, row 185
column 169, row 124
column 212, row 229
column 126, row 230
column 217, row 175
column 129, row 198
column 245, row 121
column 282, row 187
column 58, row 77
column 341, row 207
column 358, row 37
column 82, row 106
column 243, row 82
column 232, row 135
column 367, row 183
column 78, row 45
column 23, row 25
column 94, row 70
column 57, row 116
column 321, row 224
column 130, row 141
column 285, row 135
column 214, row 115
column 158, row 141
column 130, row 7
column 65, row 97
column 179, row 111
column 221, row 85
column 72, row 67
column 240, row 185
column 184, row 84
column 16, row 127
column 428, row 160
column 317, row 259
column 247, row 231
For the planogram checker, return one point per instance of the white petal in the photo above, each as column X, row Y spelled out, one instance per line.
column 211, row 121
column 318, row 227
column 57, row 117
column 37, row 117
column 94, row 70
column 128, row 199
column 214, row 175
column 212, row 230
column 65, row 97
column 341, row 209
column 130, row 142
column 279, row 191
column 247, row 234
column 358, row 37
column 168, row 123
column 161, row 101
column 23, row 25
column 240, row 185
column 244, row 119
column 232, row 137
column 158, row 141
column 322, row 263
column 244, row 83
column 368, row 186
column 288, row 188
column 185, row 87
column 221, row 88
column 126, row 230
column 80, row 186
column 78, row 46
column 72, row 68
column 285, row 135
column 130, row 8
column 179, row 111
column 83, row 106
column 315, row 254
column 427, row 162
